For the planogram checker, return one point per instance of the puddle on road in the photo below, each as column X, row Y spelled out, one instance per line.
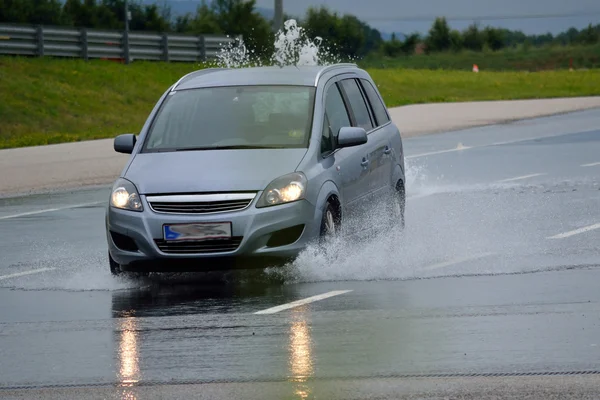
column 454, row 230
column 486, row 229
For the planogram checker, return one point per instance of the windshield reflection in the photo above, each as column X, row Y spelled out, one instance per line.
column 129, row 367
column 300, row 352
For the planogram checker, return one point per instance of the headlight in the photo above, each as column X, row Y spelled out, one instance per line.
column 288, row 188
column 125, row 196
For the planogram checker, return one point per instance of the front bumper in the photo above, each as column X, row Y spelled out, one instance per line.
column 255, row 229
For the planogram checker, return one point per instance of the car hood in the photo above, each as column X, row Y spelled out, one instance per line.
column 211, row 170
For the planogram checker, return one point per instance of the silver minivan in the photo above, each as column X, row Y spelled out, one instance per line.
column 243, row 168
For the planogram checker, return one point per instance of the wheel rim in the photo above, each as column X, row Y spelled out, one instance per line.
column 329, row 223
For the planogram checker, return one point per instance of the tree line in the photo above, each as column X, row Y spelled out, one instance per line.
column 346, row 33
column 441, row 38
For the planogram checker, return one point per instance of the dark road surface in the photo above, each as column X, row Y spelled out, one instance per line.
column 492, row 290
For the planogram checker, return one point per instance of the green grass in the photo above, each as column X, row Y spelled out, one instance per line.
column 400, row 87
column 45, row 101
column 520, row 59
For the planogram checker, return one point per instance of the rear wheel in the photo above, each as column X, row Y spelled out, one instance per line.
column 399, row 205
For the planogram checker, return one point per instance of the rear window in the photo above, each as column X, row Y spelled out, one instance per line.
column 376, row 103
column 357, row 103
column 245, row 116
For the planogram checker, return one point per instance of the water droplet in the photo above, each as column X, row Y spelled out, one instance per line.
column 292, row 48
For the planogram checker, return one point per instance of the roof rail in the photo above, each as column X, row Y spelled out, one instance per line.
column 195, row 74
column 332, row 67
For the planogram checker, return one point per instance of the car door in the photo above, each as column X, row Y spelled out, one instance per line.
column 341, row 161
column 386, row 131
column 375, row 157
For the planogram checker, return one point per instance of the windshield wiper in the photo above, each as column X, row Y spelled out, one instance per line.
column 235, row 147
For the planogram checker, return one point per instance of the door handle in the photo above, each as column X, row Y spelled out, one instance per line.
column 387, row 150
column 364, row 162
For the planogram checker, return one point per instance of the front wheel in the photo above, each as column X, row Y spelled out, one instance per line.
column 330, row 223
column 115, row 268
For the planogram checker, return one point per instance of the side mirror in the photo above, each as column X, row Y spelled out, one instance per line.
column 350, row 136
column 125, row 143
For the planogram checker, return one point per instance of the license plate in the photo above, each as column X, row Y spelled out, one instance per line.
column 197, row 231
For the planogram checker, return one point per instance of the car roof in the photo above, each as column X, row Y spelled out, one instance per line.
column 289, row 75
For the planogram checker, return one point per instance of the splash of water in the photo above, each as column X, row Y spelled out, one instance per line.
column 445, row 222
column 292, row 47
column 236, row 55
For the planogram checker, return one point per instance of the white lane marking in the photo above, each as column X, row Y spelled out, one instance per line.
column 459, row 147
column 418, row 196
column 298, row 303
column 18, row 274
column 591, row 165
column 510, row 142
column 518, row 178
column 50, row 210
column 575, row 232
column 449, row 263
column 430, row 153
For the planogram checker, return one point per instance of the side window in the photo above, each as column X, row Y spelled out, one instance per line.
column 336, row 117
column 357, row 103
column 376, row 103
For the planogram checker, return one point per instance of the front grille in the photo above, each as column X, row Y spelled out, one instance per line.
column 200, row 207
column 199, row 246
column 200, row 204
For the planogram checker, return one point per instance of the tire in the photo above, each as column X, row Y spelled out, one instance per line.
column 115, row 268
column 330, row 222
column 399, row 206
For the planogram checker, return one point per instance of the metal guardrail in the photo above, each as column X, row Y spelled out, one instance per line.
column 124, row 46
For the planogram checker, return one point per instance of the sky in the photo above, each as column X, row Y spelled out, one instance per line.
column 407, row 16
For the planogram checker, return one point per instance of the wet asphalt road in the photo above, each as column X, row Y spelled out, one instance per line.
column 497, row 274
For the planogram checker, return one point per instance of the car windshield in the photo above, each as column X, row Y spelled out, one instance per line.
column 265, row 116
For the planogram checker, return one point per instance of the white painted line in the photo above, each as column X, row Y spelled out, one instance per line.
column 430, row 153
column 33, row 271
column 591, row 165
column 527, row 139
column 449, row 263
column 459, row 147
column 575, row 232
column 515, row 141
column 50, row 210
column 518, row 178
column 298, row 303
column 418, row 196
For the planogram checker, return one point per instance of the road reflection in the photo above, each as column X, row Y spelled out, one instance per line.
column 300, row 352
column 129, row 366
column 131, row 307
column 170, row 296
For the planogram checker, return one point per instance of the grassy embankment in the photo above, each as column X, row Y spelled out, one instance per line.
column 44, row 101
column 519, row 59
